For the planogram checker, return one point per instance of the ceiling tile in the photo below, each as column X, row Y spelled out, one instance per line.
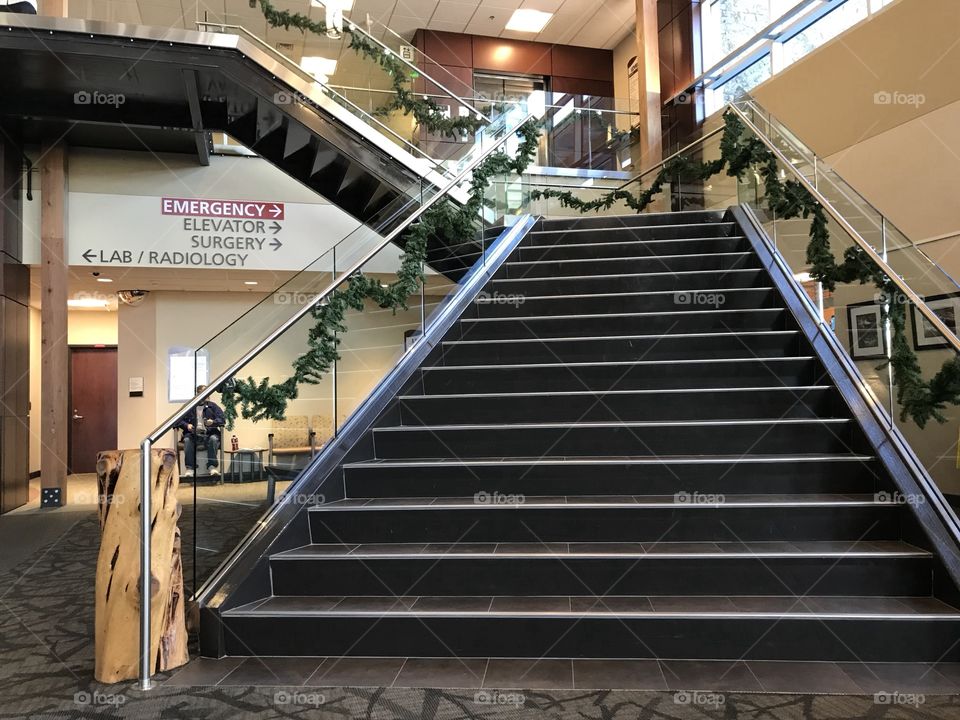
column 422, row 9
column 550, row 6
column 453, row 12
column 457, row 27
column 483, row 25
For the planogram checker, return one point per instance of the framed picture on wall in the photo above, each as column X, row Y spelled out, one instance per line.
column 867, row 338
column 925, row 335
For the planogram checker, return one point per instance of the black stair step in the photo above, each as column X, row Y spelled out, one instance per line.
column 641, row 375
column 626, row 266
column 501, row 569
column 633, row 220
column 636, row 438
column 542, row 627
column 755, row 344
column 551, row 246
column 638, row 282
column 729, row 475
column 491, row 305
column 612, row 519
column 667, row 229
column 689, row 321
column 641, row 405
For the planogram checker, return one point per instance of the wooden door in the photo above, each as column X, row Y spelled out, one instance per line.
column 93, row 405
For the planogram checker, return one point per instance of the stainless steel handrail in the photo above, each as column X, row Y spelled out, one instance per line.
column 678, row 153
column 146, row 499
column 420, row 71
column 919, row 302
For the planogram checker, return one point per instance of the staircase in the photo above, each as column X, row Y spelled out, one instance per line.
column 626, row 448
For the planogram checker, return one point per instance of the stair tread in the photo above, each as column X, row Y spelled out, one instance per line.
column 611, row 424
column 581, row 502
column 615, row 459
column 672, row 273
column 679, row 291
column 670, row 550
column 634, row 241
column 630, row 336
column 601, row 393
column 742, row 253
column 631, row 363
column 706, row 607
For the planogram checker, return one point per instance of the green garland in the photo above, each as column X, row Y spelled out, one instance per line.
column 425, row 111
column 787, row 199
column 261, row 400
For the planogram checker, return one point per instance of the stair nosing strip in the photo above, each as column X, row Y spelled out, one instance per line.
column 626, row 259
column 591, row 393
column 672, row 506
column 611, row 615
column 613, row 424
column 659, row 336
column 604, row 243
column 583, row 316
column 635, row 227
column 616, row 362
column 735, row 459
column 635, row 294
column 626, row 275
column 453, row 555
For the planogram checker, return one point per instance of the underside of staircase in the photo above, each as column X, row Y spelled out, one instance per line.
column 626, row 447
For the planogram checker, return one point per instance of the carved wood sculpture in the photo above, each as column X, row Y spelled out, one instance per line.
column 118, row 567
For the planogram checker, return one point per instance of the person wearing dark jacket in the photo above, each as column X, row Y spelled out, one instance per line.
column 204, row 421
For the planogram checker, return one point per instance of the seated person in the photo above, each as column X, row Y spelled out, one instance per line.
column 203, row 422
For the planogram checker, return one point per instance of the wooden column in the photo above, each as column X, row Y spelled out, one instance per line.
column 648, row 60
column 54, row 356
column 53, row 8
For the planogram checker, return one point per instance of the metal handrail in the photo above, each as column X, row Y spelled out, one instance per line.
column 678, row 153
column 146, row 480
column 919, row 302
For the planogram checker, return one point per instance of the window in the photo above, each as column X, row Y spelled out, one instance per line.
column 826, row 28
column 728, row 24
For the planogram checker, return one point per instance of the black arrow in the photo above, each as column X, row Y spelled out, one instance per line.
column 88, row 259
column 276, row 244
column 276, row 227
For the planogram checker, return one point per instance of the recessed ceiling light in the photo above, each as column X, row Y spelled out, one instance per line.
column 528, row 20
column 250, row 282
column 104, row 280
column 87, row 302
column 320, row 67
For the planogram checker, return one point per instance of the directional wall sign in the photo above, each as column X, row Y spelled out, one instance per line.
column 170, row 232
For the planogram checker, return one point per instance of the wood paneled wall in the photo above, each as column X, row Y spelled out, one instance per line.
column 679, row 65
column 14, row 333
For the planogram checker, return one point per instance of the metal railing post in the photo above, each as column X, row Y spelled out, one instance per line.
column 146, row 514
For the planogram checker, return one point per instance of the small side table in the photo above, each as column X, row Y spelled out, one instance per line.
column 250, row 455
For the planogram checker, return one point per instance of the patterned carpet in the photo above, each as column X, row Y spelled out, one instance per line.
column 46, row 670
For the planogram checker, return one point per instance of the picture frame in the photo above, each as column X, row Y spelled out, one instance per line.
column 868, row 339
column 947, row 308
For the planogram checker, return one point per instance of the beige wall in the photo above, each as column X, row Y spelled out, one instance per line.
column 903, row 157
column 621, row 54
column 165, row 320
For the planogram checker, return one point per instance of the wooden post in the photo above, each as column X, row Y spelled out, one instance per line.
column 53, row 8
column 54, row 277
column 118, row 567
column 648, row 61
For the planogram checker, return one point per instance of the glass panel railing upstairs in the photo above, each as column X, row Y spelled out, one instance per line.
column 898, row 329
column 910, row 262
column 329, row 334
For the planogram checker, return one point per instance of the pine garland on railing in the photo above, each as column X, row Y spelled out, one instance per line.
column 425, row 111
column 787, row 199
column 262, row 400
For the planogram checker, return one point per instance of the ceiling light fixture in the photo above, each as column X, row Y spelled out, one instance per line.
column 334, row 15
column 250, row 282
column 528, row 20
column 320, row 67
column 104, row 280
column 88, row 303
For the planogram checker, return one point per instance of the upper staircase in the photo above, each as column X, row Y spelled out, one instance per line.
column 626, row 447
